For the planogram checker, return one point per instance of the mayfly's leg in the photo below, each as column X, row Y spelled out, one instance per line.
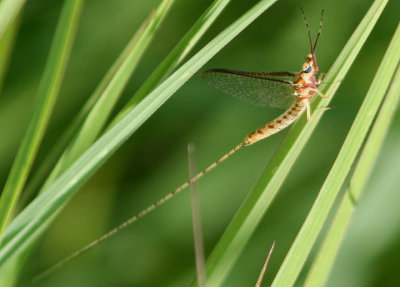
column 308, row 111
column 320, row 94
column 321, row 76
column 308, row 108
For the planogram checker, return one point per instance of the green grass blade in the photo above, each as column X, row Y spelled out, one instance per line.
column 9, row 10
column 249, row 215
column 173, row 59
column 10, row 272
column 325, row 258
column 47, row 204
column 47, row 94
column 308, row 233
column 98, row 115
column 96, row 119
column 106, row 93
column 6, row 44
column 176, row 56
column 55, row 153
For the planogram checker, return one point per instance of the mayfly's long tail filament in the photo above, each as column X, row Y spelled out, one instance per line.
column 135, row 217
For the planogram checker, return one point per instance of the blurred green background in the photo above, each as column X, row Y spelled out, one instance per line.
column 158, row 249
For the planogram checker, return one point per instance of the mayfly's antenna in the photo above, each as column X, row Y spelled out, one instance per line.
column 319, row 31
column 309, row 36
column 308, row 30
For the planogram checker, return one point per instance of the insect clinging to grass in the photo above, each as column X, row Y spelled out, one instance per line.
column 289, row 90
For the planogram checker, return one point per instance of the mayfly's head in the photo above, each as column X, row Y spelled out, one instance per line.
column 311, row 62
column 309, row 66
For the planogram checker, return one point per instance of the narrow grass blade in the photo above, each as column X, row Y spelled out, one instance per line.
column 47, row 204
column 6, row 44
column 249, row 215
column 308, row 233
column 325, row 258
column 106, row 94
column 173, row 59
column 176, row 56
column 98, row 115
column 168, row 64
column 47, row 94
column 9, row 10
column 196, row 220
column 10, row 272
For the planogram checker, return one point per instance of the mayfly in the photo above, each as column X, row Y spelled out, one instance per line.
column 289, row 90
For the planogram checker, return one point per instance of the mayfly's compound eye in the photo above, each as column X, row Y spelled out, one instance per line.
column 308, row 70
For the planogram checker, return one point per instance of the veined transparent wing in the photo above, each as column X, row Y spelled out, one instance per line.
column 258, row 88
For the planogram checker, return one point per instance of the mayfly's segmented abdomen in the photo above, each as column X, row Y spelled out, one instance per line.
column 277, row 124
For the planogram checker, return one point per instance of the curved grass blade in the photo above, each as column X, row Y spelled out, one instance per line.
column 196, row 220
column 9, row 10
column 173, row 59
column 168, row 64
column 176, row 56
column 99, row 113
column 106, row 94
column 325, row 258
column 47, row 95
column 46, row 205
column 45, row 167
column 308, row 233
column 6, row 44
column 249, row 215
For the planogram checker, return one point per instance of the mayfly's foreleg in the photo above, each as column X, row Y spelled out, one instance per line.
column 308, row 108
column 320, row 78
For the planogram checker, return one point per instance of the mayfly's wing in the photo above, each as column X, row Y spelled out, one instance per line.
column 259, row 88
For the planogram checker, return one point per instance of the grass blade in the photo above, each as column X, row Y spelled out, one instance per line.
column 98, row 115
column 6, row 44
column 9, row 10
column 173, row 59
column 47, row 204
column 325, row 258
column 249, row 215
column 168, row 64
column 196, row 220
column 47, row 94
column 176, row 56
column 106, row 95
column 308, row 233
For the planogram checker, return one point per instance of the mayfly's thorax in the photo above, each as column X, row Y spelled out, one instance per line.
column 305, row 83
column 305, row 90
